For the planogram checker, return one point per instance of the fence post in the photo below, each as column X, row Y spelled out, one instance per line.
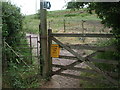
column 83, row 31
column 31, row 48
column 49, row 51
column 43, row 42
column 37, row 48
column 64, row 25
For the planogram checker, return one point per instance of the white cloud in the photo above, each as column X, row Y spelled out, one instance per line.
column 31, row 6
column 27, row 6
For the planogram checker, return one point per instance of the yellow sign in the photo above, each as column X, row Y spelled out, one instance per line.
column 55, row 50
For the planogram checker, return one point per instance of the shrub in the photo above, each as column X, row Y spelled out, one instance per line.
column 12, row 23
column 14, row 73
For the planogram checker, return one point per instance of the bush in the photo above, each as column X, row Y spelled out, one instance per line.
column 12, row 23
column 13, row 73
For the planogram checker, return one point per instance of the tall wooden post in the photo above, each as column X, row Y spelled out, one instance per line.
column 49, row 51
column 43, row 42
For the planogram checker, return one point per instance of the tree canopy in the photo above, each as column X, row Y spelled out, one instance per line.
column 109, row 12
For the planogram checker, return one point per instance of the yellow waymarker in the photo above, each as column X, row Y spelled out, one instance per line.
column 55, row 50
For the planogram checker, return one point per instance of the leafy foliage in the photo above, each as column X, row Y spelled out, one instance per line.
column 109, row 13
column 76, row 5
column 20, row 77
column 14, row 74
column 12, row 23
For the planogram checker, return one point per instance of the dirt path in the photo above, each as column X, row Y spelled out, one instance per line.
column 58, row 81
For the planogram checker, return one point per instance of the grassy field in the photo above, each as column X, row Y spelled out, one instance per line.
column 67, row 21
column 56, row 20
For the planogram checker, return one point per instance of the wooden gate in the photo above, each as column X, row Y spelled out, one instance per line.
column 88, row 60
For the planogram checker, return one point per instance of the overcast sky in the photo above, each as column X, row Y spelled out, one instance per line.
column 31, row 6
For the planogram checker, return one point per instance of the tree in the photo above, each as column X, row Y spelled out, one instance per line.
column 109, row 12
column 76, row 5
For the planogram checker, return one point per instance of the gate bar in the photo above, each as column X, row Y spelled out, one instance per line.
column 75, row 68
column 81, row 35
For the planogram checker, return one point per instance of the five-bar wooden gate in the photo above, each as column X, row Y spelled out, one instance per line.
column 89, row 60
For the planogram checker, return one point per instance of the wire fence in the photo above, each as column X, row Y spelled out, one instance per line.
column 72, row 25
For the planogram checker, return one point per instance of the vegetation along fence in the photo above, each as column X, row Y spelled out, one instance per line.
column 30, row 52
column 110, row 77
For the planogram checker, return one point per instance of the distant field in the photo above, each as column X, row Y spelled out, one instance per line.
column 56, row 20
column 67, row 21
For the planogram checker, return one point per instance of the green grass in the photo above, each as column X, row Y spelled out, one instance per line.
column 18, row 76
column 55, row 21
column 31, row 23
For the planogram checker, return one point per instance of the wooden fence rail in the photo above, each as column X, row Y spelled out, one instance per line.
column 90, row 59
column 74, row 68
column 82, row 35
column 88, row 47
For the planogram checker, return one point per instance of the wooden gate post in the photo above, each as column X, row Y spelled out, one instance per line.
column 43, row 42
column 64, row 25
column 31, row 48
column 49, row 51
